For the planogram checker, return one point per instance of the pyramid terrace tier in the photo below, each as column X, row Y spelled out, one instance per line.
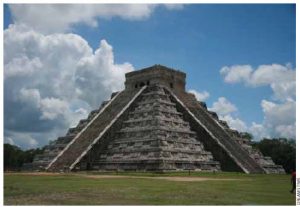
column 153, row 94
column 160, row 131
column 136, row 140
column 163, row 107
column 139, row 149
column 177, row 144
column 145, row 113
column 158, row 123
column 158, row 165
column 151, row 139
column 151, row 101
column 153, row 120
column 273, row 169
column 155, row 107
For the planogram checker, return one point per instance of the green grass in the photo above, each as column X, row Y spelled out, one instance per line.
column 75, row 189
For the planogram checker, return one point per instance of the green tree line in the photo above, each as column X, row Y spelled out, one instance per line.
column 15, row 157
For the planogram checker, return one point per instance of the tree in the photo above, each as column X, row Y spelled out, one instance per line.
column 281, row 150
column 14, row 157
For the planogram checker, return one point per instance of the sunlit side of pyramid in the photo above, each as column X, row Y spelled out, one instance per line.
column 154, row 125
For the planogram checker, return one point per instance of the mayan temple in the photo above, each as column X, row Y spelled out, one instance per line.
column 153, row 125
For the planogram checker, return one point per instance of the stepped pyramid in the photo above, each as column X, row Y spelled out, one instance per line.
column 155, row 125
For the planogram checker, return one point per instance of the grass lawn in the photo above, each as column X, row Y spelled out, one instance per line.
column 147, row 189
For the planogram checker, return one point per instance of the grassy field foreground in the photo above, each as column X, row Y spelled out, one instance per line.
column 147, row 189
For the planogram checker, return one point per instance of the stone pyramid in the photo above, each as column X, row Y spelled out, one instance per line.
column 154, row 125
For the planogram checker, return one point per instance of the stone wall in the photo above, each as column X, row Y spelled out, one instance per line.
column 156, row 74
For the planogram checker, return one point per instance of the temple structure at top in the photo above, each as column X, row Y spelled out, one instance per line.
column 154, row 125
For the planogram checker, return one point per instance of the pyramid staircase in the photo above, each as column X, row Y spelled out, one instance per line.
column 93, row 131
column 51, row 151
column 229, row 152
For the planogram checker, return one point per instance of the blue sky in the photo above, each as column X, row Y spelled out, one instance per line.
column 201, row 39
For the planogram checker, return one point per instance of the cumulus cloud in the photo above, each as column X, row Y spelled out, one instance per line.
column 281, row 79
column 29, row 66
column 200, row 96
column 286, row 130
column 259, row 131
column 280, row 113
column 9, row 140
column 98, row 71
column 236, row 73
column 280, row 118
column 226, row 112
column 223, row 106
column 50, row 18
column 235, row 123
column 21, row 139
column 52, row 81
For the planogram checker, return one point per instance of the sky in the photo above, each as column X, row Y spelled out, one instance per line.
column 61, row 61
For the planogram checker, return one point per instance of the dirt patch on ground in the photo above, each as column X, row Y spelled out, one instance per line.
column 191, row 179
column 34, row 173
column 173, row 178
column 185, row 179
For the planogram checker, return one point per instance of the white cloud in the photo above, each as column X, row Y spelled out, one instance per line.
column 52, row 79
column 225, row 110
column 200, row 96
column 286, row 130
column 279, row 114
column 268, row 74
column 30, row 96
column 234, row 123
column 98, row 71
column 259, row 131
column 236, row 73
column 50, row 18
column 9, row 140
column 52, row 108
column 223, row 106
column 13, row 68
column 284, row 91
column 174, row 6
column 280, row 119
column 21, row 139
column 62, row 80
column 281, row 79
